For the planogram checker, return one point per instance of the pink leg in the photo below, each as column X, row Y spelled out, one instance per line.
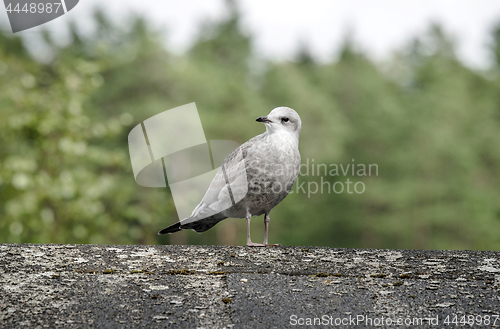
column 266, row 230
column 249, row 240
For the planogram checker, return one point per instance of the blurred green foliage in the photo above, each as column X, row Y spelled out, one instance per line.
column 429, row 123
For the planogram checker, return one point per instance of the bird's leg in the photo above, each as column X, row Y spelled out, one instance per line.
column 266, row 226
column 249, row 217
column 266, row 230
column 249, row 240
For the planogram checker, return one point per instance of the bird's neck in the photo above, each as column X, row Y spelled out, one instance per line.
column 283, row 137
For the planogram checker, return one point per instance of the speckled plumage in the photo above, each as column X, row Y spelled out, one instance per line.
column 271, row 161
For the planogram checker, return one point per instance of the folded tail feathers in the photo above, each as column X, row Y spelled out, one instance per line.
column 200, row 225
column 171, row 229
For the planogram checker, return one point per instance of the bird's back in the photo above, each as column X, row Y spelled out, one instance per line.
column 270, row 169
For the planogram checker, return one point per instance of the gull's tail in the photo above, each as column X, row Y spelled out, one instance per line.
column 171, row 229
column 200, row 225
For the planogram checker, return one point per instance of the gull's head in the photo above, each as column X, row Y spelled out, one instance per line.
column 282, row 119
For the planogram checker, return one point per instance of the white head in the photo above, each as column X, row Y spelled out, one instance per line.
column 282, row 119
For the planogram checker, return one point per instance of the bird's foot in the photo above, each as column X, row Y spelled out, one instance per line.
column 253, row 244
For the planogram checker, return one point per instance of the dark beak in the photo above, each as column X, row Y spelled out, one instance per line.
column 263, row 119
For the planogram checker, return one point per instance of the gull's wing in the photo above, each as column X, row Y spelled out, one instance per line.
column 229, row 186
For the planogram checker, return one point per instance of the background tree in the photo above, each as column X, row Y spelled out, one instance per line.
column 429, row 123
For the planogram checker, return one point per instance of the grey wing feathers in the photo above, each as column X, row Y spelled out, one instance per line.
column 220, row 195
column 228, row 186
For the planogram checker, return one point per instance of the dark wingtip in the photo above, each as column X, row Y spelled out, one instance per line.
column 171, row 229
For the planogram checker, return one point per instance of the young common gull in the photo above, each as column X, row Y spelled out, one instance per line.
column 253, row 179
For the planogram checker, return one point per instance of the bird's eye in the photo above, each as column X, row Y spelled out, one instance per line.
column 284, row 119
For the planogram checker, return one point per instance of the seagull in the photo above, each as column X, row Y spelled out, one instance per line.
column 264, row 168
